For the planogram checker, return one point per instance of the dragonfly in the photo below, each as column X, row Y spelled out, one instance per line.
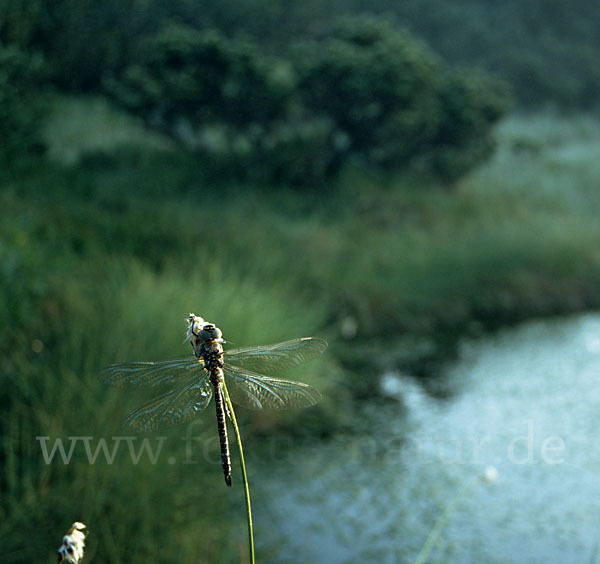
column 247, row 372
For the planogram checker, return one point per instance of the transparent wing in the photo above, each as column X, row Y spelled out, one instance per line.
column 272, row 358
column 257, row 391
column 151, row 374
column 176, row 406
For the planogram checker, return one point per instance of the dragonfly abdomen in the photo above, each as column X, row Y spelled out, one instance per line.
column 222, row 428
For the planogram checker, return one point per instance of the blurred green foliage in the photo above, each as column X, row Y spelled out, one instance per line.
column 223, row 82
column 469, row 104
column 258, row 114
column 378, row 86
column 80, row 39
column 225, row 100
column 22, row 104
column 545, row 49
column 394, row 103
column 183, row 75
column 365, row 92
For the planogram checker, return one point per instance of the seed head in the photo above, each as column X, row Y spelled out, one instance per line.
column 73, row 543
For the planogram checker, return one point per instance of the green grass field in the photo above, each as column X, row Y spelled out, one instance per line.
column 107, row 247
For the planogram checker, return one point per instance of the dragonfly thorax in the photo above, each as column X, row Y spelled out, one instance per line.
column 211, row 353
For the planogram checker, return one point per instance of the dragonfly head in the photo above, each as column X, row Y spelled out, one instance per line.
column 200, row 331
column 209, row 332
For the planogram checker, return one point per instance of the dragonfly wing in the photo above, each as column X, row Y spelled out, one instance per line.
column 151, row 374
column 273, row 358
column 176, row 406
column 257, row 391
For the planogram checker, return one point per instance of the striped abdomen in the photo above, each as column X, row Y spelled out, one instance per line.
column 222, row 427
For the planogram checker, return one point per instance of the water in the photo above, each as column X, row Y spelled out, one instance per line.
column 528, row 404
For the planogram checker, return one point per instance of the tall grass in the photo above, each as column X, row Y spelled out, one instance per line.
column 99, row 311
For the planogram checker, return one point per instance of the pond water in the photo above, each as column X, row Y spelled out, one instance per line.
column 527, row 404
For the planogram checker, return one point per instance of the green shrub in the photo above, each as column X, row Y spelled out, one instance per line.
column 377, row 84
column 82, row 40
column 223, row 99
column 19, row 21
column 365, row 92
column 469, row 104
column 395, row 102
column 184, row 78
column 21, row 104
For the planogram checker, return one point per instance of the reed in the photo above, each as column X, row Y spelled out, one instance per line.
column 489, row 476
column 238, row 440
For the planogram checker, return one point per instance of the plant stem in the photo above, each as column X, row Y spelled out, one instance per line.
column 244, row 476
column 434, row 534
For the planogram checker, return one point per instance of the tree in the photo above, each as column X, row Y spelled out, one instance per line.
column 393, row 100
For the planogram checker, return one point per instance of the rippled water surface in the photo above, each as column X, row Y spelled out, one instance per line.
column 528, row 403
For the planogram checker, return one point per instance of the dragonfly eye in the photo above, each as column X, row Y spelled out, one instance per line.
column 209, row 333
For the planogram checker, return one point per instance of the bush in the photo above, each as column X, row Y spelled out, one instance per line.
column 469, row 103
column 21, row 104
column 365, row 92
column 378, row 86
column 398, row 107
column 221, row 98
column 185, row 78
